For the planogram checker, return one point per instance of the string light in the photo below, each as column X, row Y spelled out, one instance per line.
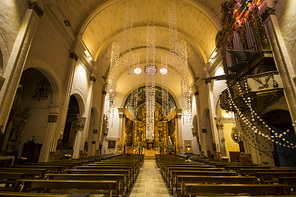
column 136, row 77
column 112, row 83
column 150, row 83
column 127, row 36
column 164, row 86
column 248, row 122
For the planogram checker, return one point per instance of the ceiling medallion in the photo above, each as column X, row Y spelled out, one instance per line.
column 150, row 70
column 137, row 71
column 163, row 71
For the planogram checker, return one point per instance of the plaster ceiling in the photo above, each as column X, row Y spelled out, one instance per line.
column 99, row 23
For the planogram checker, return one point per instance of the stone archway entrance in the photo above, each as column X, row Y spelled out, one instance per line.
column 70, row 130
column 28, row 120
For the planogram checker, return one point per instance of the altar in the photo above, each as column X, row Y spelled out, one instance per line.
column 150, row 152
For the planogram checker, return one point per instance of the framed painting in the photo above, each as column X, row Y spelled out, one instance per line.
column 111, row 144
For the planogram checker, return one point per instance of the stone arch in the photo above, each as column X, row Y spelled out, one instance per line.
column 52, row 80
column 28, row 117
column 51, row 75
column 80, row 103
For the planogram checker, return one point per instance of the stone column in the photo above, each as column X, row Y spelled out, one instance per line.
column 198, row 113
column 212, row 109
column 73, row 58
column 17, row 60
column 87, row 113
column 179, row 130
column 101, row 130
column 220, row 126
column 121, row 126
column 50, row 143
column 281, row 57
column 79, row 140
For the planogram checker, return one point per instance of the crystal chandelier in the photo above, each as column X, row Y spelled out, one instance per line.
column 136, row 76
column 184, row 80
column 126, row 59
column 164, row 85
column 111, row 83
column 178, row 57
column 150, row 82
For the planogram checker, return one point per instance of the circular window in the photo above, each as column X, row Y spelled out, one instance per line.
column 150, row 70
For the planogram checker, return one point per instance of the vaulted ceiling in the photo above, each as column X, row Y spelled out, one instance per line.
column 99, row 23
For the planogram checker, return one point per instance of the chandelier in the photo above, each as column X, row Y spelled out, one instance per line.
column 112, row 82
column 178, row 57
column 126, row 59
column 164, row 86
column 150, row 82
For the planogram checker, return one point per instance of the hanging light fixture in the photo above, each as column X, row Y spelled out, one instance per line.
column 111, row 83
column 150, row 82
column 164, row 86
column 126, row 59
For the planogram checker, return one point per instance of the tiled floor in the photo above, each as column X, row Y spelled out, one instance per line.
column 150, row 182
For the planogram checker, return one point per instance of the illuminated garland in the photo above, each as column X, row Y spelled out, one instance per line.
column 173, row 34
column 164, row 86
column 150, row 83
column 126, row 59
column 111, row 83
column 185, row 85
column 178, row 57
column 254, row 115
column 136, row 76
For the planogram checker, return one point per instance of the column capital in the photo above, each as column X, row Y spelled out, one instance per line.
column 35, row 7
column 54, row 108
column 121, row 110
column 268, row 12
column 92, row 78
column 74, row 56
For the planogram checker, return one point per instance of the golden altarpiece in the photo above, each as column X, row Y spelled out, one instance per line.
column 135, row 131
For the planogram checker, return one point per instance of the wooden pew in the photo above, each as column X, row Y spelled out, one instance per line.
column 272, row 177
column 10, row 180
column 122, row 178
column 102, row 171
column 195, row 189
column 164, row 170
column 49, row 168
column 28, row 172
column 168, row 173
column 130, row 168
column 291, row 181
column 70, row 186
column 237, row 168
column 64, row 165
column 253, row 171
column 182, row 179
column 175, row 173
column 29, row 194
column 135, row 169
